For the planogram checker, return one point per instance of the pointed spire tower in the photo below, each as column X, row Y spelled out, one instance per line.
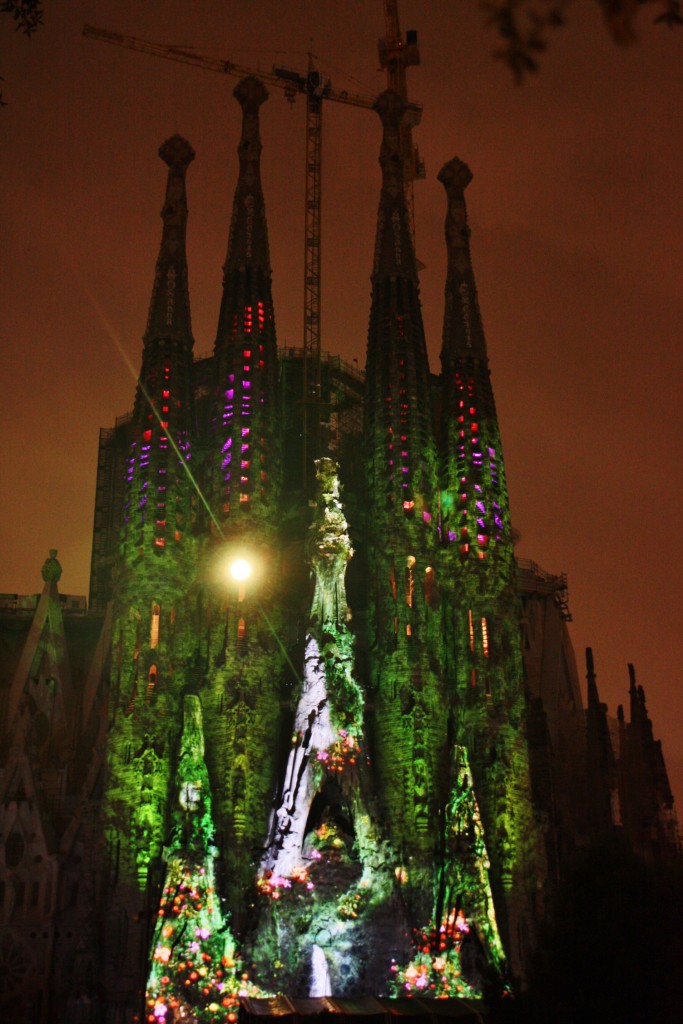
column 602, row 795
column 240, row 629
column 190, row 928
column 475, row 515
column 481, row 628
column 649, row 816
column 157, row 509
column 401, row 517
column 155, row 565
column 42, row 678
column 149, row 638
column 246, row 470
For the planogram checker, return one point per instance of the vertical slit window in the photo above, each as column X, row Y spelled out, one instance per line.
column 151, row 682
column 410, row 580
column 241, row 637
column 154, row 627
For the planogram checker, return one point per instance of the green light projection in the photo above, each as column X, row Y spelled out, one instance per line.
column 482, row 650
column 404, row 619
column 364, row 858
column 325, row 872
column 195, row 971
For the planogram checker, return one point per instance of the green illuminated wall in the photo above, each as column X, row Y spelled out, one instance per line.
column 481, row 627
column 356, row 822
column 241, row 660
column 195, row 968
column 151, row 637
column 405, row 656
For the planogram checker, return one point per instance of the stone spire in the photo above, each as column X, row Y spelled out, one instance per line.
column 42, row 678
column 463, row 332
column 636, row 697
column 474, row 502
column 158, row 502
column 649, row 815
column 482, row 649
column 169, row 310
column 602, row 795
column 248, row 245
column 244, row 669
column 401, row 518
column 592, row 687
column 149, row 625
column 394, row 256
column 398, row 416
column 246, row 464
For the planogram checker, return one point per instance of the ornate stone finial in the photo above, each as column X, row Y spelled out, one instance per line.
column 455, row 174
column 391, row 108
column 635, row 695
column 52, row 570
column 593, row 698
column 463, row 329
column 250, row 93
column 170, row 303
column 248, row 241
column 394, row 256
column 330, row 547
column 177, row 152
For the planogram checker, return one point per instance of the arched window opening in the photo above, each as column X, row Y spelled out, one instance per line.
column 241, row 637
column 130, row 707
column 151, row 682
column 430, row 587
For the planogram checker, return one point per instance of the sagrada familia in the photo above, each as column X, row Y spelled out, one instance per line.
column 320, row 734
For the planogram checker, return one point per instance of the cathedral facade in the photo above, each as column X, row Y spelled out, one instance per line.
column 320, row 733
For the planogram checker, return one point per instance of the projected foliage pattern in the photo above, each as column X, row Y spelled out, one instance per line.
column 367, row 854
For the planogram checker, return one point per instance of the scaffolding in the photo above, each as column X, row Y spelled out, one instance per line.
column 532, row 579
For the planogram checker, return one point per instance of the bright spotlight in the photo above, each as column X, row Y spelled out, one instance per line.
column 240, row 570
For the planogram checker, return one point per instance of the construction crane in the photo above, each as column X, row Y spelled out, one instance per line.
column 395, row 55
column 316, row 88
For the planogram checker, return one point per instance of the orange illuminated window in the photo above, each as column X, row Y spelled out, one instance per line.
column 151, row 682
column 430, row 586
column 154, row 628
column 410, row 580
